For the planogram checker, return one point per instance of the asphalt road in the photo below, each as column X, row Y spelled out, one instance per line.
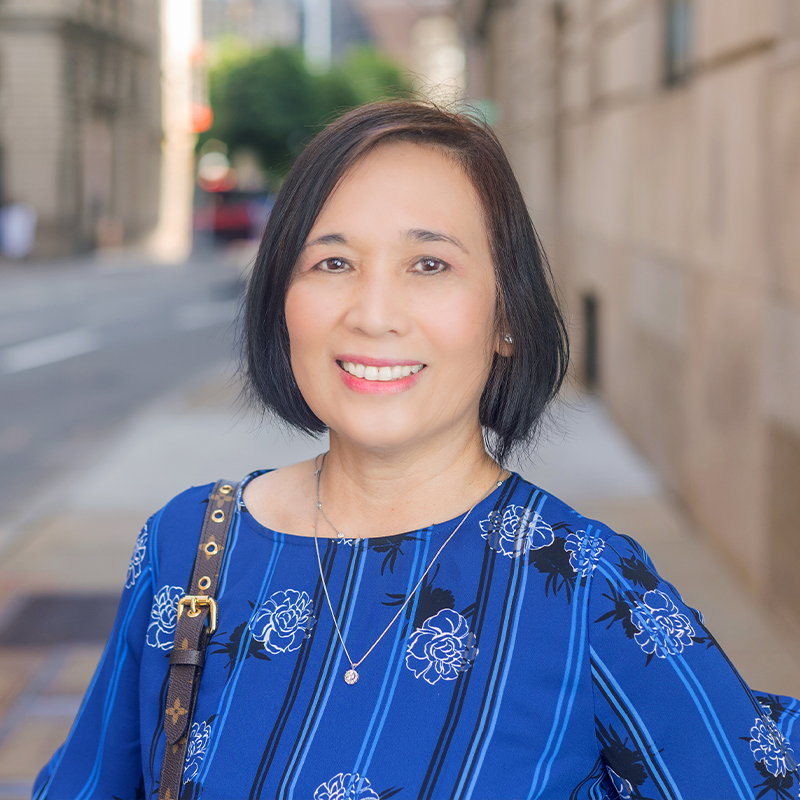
column 84, row 346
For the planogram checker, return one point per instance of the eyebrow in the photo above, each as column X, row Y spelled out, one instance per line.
column 328, row 238
column 421, row 235
column 413, row 235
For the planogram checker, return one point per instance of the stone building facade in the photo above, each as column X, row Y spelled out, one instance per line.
column 658, row 143
column 258, row 22
column 80, row 118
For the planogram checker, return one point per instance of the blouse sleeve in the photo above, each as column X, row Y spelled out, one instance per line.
column 101, row 757
column 673, row 717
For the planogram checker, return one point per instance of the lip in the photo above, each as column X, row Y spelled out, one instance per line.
column 377, row 362
column 363, row 386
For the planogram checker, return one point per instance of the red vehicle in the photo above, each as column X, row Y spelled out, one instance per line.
column 233, row 214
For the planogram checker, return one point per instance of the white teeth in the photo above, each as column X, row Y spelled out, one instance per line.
column 380, row 373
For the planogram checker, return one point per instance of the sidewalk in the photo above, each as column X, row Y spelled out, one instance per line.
column 75, row 549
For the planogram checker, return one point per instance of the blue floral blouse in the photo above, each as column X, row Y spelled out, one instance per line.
column 542, row 657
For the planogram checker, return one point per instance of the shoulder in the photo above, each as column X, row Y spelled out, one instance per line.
column 618, row 570
column 175, row 529
column 589, row 542
column 551, row 510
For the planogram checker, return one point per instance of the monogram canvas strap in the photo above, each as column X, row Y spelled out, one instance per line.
column 197, row 620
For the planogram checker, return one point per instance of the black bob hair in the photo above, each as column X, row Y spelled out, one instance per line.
column 520, row 386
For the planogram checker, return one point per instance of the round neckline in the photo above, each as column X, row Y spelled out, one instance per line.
column 299, row 539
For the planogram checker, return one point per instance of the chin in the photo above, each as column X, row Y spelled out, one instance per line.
column 378, row 431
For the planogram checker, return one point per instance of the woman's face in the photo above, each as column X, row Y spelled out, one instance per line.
column 391, row 309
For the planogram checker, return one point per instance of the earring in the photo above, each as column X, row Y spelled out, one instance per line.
column 507, row 338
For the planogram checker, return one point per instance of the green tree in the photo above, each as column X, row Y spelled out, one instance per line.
column 269, row 101
column 373, row 76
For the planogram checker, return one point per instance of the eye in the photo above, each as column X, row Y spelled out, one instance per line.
column 431, row 266
column 332, row 265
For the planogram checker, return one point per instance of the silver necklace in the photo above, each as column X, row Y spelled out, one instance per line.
column 341, row 537
column 351, row 676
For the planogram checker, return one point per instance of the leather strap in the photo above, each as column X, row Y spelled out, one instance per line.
column 191, row 636
column 194, row 657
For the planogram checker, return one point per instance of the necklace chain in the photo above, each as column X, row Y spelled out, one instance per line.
column 351, row 676
column 338, row 533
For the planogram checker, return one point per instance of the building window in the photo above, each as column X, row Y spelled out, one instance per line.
column 678, row 40
column 591, row 347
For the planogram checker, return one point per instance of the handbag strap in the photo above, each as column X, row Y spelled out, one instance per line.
column 197, row 620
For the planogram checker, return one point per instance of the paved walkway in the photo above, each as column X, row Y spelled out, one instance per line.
column 79, row 539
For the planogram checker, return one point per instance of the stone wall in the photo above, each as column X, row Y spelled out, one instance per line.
column 80, row 119
column 676, row 207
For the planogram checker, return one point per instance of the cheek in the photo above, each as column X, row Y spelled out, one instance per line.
column 306, row 326
column 297, row 316
column 463, row 327
column 305, row 321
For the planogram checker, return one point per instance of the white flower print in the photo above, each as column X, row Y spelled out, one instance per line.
column 283, row 621
column 441, row 648
column 346, row 786
column 623, row 787
column 164, row 617
column 196, row 750
column 515, row 531
column 584, row 551
column 663, row 629
column 769, row 746
column 139, row 552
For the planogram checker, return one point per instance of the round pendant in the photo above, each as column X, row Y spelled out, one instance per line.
column 350, row 677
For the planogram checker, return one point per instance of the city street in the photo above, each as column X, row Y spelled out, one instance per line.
column 83, row 346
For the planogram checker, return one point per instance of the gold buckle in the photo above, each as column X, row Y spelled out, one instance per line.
column 195, row 600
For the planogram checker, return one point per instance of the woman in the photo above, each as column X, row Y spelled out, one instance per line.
column 403, row 617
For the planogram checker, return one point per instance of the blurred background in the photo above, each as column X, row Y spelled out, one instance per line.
column 142, row 143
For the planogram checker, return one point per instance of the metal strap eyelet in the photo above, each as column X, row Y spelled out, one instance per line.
column 204, row 583
column 218, row 515
column 225, row 489
column 211, row 548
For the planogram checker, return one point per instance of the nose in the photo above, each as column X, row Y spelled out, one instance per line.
column 378, row 305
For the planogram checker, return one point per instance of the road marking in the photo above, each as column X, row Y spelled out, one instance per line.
column 48, row 350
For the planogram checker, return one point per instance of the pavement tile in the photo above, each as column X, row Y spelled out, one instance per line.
column 76, row 548
column 39, row 719
column 75, row 675
column 16, row 667
column 15, row 790
column 28, row 747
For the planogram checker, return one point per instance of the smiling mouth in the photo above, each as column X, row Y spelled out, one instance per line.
column 389, row 373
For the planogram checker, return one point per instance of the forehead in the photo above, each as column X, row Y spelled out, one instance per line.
column 400, row 184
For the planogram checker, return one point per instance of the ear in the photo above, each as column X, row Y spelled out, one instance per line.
column 505, row 345
column 504, row 340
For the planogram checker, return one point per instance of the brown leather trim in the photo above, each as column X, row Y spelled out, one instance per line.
column 192, row 657
column 191, row 638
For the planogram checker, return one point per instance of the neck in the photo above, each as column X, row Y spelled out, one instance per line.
column 369, row 493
